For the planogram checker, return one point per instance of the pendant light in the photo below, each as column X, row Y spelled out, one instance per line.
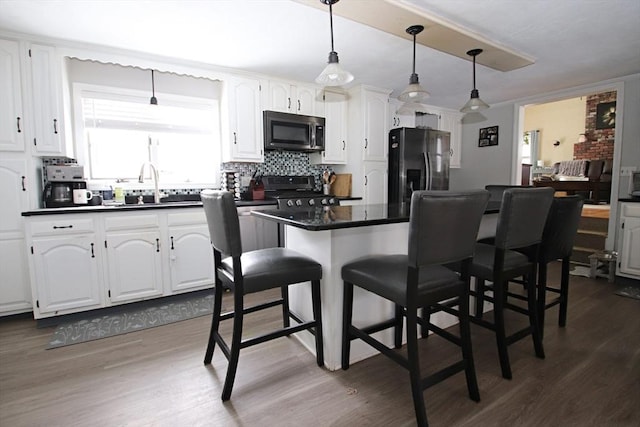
column 414, row 93
column 333, row 74
column 153, row 101
column 475, row 103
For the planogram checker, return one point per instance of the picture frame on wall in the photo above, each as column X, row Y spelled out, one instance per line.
column 606, row 115
column 488, row 136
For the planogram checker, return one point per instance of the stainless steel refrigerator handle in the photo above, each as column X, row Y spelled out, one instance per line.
column 427, row 169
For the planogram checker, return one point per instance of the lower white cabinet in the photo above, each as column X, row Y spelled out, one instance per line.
column 629, row 241
column 65, row 265
column 15, row 293
column 375, row 182
column 190, row 252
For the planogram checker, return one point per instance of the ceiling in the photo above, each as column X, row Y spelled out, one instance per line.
column 571, row 42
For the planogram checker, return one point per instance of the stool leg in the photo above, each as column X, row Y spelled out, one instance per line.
column 534, row 322
column 564, row 292
column 347, row 312
column 414, row 366
column 542, row 292
column 286, row 318
column 317, row 315
column 498, row 313
column 467, row 353
column 426, row 318
column 479, row 298
column 397, row 329
column 612, row 271
column 236, row 339
column 594, row 268
column 215, row 322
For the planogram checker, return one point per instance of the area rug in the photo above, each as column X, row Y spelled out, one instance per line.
column 579, row 270
column 131, row 319
column 629, row 291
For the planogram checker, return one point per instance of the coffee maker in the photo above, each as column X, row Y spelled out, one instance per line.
column 61, row 181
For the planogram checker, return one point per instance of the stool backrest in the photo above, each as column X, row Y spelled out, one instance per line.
column 561, row 228
column 443, row 225
column 496, row 190
column 523, row 214
column 222, row 219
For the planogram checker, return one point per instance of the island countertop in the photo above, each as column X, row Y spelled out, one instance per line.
column 337, row 217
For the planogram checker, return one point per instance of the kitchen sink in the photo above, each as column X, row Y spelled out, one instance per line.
column 171, row 198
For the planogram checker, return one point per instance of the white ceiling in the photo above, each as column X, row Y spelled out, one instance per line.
column 573, row 42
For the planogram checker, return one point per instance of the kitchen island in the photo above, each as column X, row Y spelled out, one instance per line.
column 336, row 235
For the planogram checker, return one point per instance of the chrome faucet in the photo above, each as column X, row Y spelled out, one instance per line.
column 154, row 172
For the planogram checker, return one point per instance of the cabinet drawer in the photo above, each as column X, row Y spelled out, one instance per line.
column 630, row 209
column 129, row 222
column 195, row 216
column 62, row 226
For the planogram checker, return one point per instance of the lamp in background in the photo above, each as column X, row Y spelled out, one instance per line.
column 414, row 93
column 582, row 138
column 475, row 103
column 153, row 100
column 333, row 74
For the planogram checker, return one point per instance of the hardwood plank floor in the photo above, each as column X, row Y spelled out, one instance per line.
column 155, row 377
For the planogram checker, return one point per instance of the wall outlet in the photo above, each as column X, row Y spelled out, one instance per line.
column 627, row 170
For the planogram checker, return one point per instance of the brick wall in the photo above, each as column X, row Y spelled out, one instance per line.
column 599, row 144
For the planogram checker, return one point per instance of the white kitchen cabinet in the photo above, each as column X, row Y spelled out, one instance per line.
column 400, row 119
column 256, row 233
column 11, row 112
column 65, row 265
column 375, row 182
column 629, row 241
column 335, row 134
column 451, row 121
column 15, row 292
column 291, row 98
column 47, row 105
column 376, row 125
column 190, row 251
column 133, row 257
column 244, row 140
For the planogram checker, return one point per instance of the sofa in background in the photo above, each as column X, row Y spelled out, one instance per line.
column 589, row 178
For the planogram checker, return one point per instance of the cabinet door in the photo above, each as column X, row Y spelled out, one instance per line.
column 245, row 121
column 280, row 98
column 335, row 136
column 15, row 292
column 375, row 182
column 47, row 101
column 305, row 100
column 190, row 257
column 134, row 264
column 66, row 274
column 399, row 117
column 11, row 116
column 452, row 123
column 13, row 194
column 376, row 126
column 630, row 254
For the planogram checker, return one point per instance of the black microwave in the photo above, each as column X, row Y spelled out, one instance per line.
column 293, row 132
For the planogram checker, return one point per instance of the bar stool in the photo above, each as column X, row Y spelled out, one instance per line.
column 557, row 243
column 249, row 272
column 420, row 279
column 514, row 253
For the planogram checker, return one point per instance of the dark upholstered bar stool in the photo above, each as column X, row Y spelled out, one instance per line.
column 250, row 272
column 523, row 214
column 557, row 243
column 443, row 227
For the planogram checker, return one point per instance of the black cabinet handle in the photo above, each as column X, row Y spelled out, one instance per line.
column 366, row 143
column 55, row 227
column 235, row 138
column 93, row 255
column 55, row 126
column 172, row 243
column 366, row 180
column 289, row 103
column 344, row 145
column 157, row 245
column 18, row 124
column 299, row 107
column 23, row 181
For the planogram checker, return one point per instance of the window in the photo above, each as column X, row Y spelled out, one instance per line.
column 121, row 131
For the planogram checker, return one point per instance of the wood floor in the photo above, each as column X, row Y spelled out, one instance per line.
column 590, row 377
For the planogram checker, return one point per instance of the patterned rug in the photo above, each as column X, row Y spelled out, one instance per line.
column 136, row 317
column 629, row 291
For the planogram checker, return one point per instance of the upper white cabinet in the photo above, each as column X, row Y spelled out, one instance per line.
column 47, row 104
column 375, row 125
column 629, row 240
column 290, row 98
column 399, row 118
column 335, row 130
column 11, row 113
column 244, row 141
column 451, row 121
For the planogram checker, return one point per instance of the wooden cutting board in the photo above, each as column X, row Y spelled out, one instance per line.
column 342, row 185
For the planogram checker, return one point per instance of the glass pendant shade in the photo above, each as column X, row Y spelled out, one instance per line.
column 333, row 74
column 474, row 104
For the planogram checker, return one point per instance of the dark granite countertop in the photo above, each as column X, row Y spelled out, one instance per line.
column 630, row 199
column 336, row 217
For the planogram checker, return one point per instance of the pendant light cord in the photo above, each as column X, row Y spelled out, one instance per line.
column 414, row 54
column 331, row 23
column 474, row 71
column 153, row 86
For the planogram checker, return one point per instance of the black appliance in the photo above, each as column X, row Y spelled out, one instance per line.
column 418, row 160
column 59, row 194
column 293, row 132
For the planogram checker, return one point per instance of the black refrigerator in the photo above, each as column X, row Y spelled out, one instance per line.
column 418, row 160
